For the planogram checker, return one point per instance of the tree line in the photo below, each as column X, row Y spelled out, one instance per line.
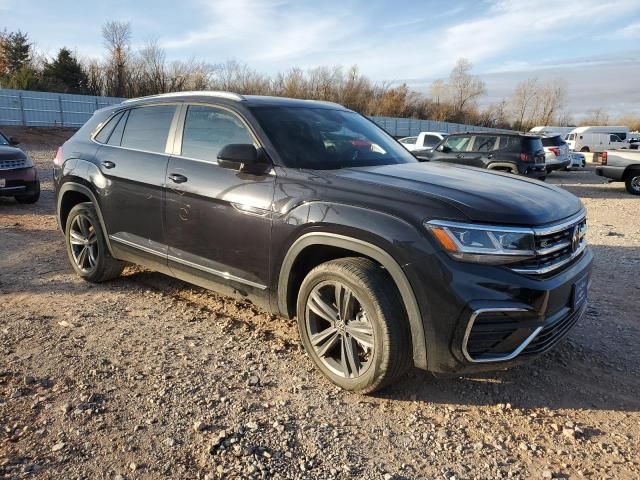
column 127, row 72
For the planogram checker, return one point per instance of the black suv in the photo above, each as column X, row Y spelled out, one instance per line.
column 507, row 152
column 310, row 210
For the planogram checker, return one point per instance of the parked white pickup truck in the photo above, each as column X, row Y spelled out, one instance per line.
column 422, row 141
column 621, row 166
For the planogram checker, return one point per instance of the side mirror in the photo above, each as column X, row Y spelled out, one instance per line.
column 444, row 149
column 14, row 141
column 243, row 157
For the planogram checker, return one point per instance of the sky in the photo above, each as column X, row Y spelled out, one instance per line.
column 593, row 46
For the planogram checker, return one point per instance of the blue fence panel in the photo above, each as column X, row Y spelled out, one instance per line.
column 45, row 109
column 22, row 107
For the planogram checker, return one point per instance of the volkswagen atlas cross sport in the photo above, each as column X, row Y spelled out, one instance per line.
column 311, row 211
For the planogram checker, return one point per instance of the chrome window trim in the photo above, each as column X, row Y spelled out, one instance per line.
column 496, row 358
column 170, row 135
column 219, row 273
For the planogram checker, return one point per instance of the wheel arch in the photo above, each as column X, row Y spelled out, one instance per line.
column 502, row 166
column 348, row 246
column 71, row 194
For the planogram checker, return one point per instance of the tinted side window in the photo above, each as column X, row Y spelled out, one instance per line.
column 430, row 141
column 457, row 144
column 147, row 128
column 614, row 138
column 116, row 136
column 409, row 140
column 208, row 129
column 105, row 132
column 554, row 141
column 508, row 142
column 484, row 143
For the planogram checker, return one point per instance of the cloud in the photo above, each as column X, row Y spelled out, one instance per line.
column 630, row 31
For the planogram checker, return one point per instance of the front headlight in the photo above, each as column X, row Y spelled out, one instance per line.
column 28, row 161
column 483, row 244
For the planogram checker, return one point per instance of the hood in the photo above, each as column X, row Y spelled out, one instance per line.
column 8, row 152
column 482, row 195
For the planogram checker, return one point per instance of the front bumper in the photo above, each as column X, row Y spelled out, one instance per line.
column 463, row 303
column 19, row 181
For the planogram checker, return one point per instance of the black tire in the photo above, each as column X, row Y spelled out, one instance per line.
column 584, row 149
column 632, row 182
column 97, row 264
column 31, row 197
column 549, row 171
column 381, row 312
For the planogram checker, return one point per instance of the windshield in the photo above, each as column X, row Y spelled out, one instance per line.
column 324, row 139
column 3, row 140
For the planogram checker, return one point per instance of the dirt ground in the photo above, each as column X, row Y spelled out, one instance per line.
column 148, row 377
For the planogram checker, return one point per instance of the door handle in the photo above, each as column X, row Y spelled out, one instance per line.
column 460, row 155
column 108, row 164
column 490, row 156
column 177, row 178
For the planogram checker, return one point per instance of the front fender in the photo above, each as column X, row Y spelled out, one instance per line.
column 388, row 240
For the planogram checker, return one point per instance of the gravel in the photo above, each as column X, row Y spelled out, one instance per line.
column 149, row 377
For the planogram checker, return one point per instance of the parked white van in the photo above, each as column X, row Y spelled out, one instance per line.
column 597, row 139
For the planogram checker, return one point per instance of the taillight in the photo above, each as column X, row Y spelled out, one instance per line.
column 58, row 159
column 603, row 158
column 555, row 150
column 525, row 157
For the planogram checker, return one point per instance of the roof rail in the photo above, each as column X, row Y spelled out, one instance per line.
column 208, row 93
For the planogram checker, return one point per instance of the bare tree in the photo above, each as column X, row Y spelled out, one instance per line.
column 464, row 88
column 117, row 38
column 522, row 102
column 551, row 98
column 596, row 117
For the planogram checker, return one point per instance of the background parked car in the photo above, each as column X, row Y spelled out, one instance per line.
column 556, row 153
column 424, row 141
column 578, row 160
column 509, row 152
column 18, row 176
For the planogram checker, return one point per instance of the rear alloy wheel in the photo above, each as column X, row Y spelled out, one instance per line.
column 86, row 246
column 632, row 182
column 353, row 324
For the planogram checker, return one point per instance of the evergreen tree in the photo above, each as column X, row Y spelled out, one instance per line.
column 16, row 52
column 64, row 74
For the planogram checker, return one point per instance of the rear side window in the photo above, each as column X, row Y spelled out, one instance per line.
column 409, row 140
column 208, row 129
column 554, row 141
column 508, row 142
column 531, row 144
column 147, row 128
column 484, row 143
column 104, row 133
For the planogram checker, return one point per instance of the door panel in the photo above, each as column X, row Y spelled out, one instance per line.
column 133, row 206
column 218, row 221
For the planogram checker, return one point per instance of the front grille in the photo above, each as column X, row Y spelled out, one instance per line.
column 554, row 331
column 13, row 164
column 555, row 248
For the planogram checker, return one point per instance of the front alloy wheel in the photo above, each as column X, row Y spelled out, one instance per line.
column 353, row 325
column 340, row 332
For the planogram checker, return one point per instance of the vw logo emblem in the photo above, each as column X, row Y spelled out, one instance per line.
column 575, row 239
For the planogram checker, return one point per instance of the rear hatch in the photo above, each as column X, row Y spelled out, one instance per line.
column 557, row 146
column 532, row 147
